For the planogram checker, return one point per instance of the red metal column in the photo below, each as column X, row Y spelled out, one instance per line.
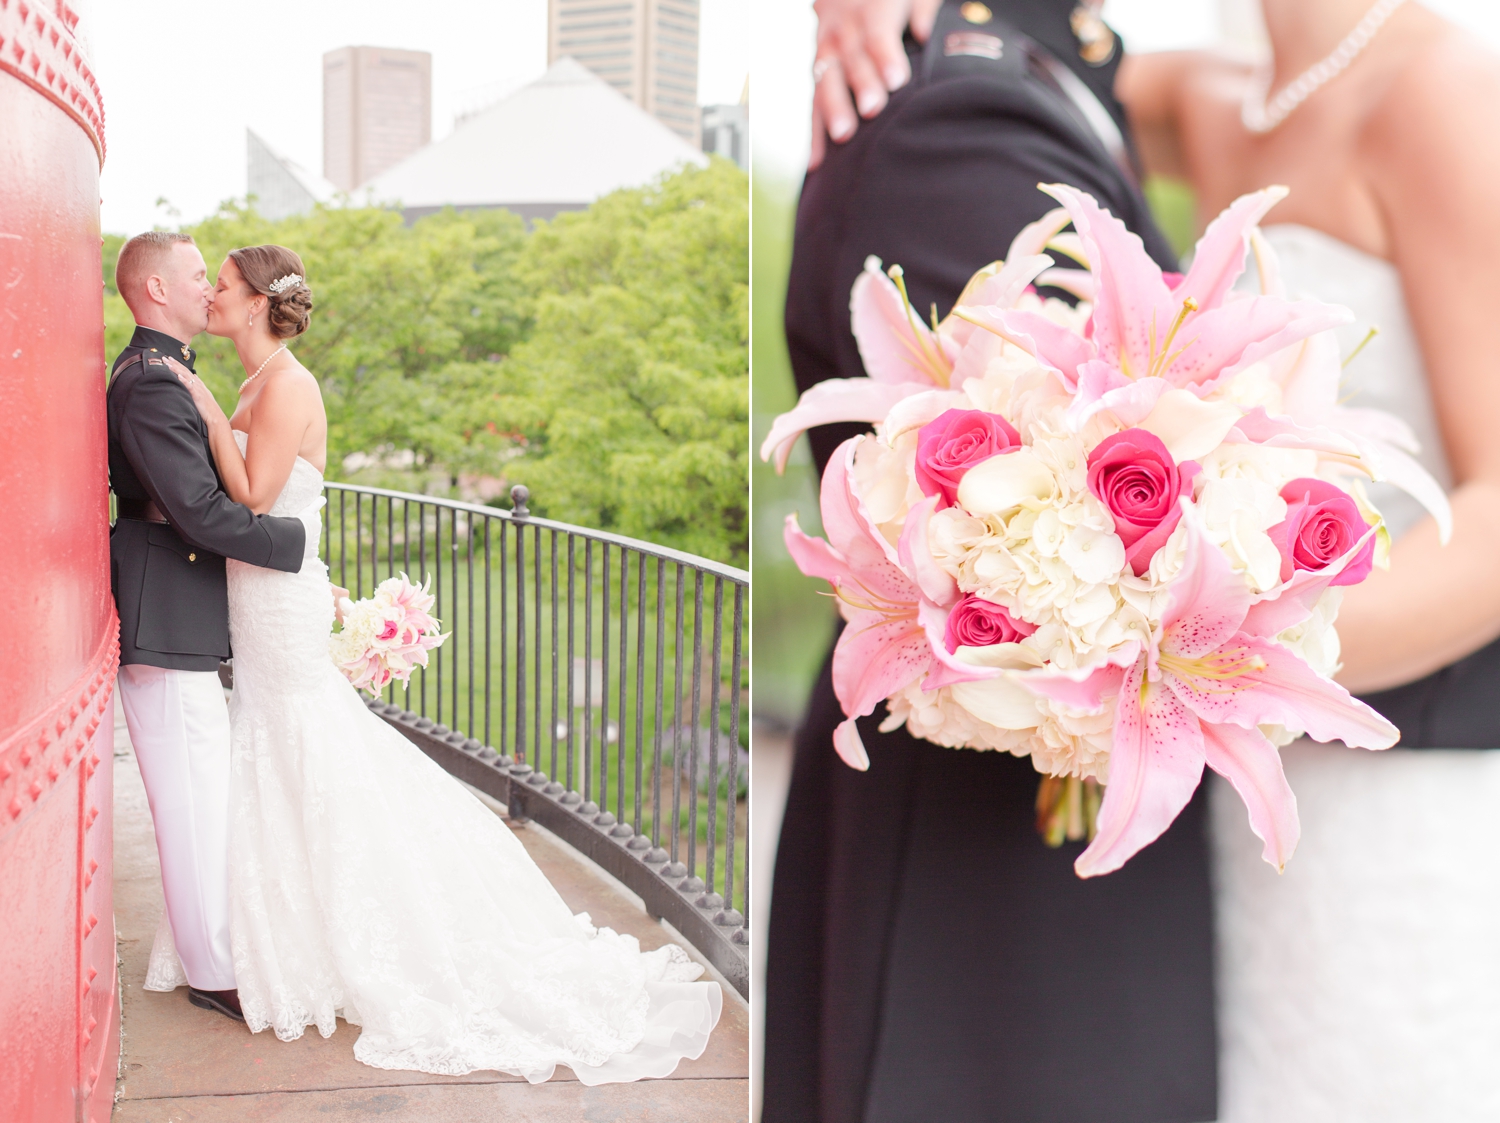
column 59, row 1016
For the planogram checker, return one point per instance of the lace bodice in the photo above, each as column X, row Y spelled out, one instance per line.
column 303, row 486
column 1389, row 373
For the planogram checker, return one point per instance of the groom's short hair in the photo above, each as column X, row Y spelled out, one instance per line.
column 142, row 256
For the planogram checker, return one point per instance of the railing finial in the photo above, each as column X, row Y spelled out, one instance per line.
column 518, row 496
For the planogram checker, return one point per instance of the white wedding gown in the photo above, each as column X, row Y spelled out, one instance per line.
column 366, row 883
column 1363, row 984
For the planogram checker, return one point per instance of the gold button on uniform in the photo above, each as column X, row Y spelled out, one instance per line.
column 976, row 13
column 192, row 557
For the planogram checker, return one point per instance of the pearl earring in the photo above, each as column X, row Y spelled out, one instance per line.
column 252, row 321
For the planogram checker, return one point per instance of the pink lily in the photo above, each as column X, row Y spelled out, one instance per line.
column 903, row 355
column 1196, row 697
column 1372, row 441
column 1130, row 360
column 895, row 615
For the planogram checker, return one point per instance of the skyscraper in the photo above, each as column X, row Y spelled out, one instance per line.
column 646, row 49
column 377, row 110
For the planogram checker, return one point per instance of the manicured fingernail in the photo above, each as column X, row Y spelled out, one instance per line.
column 842, row 128
column 871, row 102
column 897, row 75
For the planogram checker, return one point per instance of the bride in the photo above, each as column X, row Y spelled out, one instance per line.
column 1364, row 983
column 366, row 883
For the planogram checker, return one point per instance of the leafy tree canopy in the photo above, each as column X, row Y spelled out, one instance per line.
column 601, row 359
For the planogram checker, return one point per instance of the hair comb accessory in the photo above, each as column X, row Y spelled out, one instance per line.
column 281, row 284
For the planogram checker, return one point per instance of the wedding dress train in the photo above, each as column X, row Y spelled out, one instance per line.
column 366, row 883
column 1363, row 984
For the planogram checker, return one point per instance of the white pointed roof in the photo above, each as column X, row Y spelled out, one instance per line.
column 282, row 186
column 566, row 138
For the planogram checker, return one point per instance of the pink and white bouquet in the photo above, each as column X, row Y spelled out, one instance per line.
column 1110, row 536
column 387, row 635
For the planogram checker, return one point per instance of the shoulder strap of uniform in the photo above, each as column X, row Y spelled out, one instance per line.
column 996, row 49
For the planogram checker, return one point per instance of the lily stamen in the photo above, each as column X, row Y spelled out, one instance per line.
column 874, row 602
column 1360, row 346
column 1161, row 360
column 933, row 360
column 1224, row 665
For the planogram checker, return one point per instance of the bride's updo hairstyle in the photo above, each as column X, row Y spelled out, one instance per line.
column 264, row 266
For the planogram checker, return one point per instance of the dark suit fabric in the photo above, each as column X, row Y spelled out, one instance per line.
column 929, row 957
column 168, row 578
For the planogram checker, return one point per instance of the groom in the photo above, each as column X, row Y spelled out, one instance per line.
column 167, row 549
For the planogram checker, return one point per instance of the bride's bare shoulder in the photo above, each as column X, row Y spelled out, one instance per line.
column 1440, row 112
column 294, row 380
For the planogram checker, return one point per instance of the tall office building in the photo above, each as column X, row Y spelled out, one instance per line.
column 646, row 49
column 377, row 110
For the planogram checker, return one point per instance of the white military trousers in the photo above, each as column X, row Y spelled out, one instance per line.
column 179, row 726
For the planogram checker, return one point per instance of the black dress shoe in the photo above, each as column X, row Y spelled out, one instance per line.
column 226, row 1002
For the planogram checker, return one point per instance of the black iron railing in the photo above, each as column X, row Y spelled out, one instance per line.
column 591, row 682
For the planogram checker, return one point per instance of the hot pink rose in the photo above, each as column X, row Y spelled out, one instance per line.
column 951, row 444
column 976, row 622
column 1322, row 525
column 1135, row 477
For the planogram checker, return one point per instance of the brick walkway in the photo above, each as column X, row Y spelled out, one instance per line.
column 179, row 1064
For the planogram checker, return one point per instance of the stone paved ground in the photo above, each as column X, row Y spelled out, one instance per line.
column 180, row 1064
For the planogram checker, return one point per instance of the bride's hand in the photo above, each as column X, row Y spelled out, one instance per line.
column 339, row 593
column 207, row 405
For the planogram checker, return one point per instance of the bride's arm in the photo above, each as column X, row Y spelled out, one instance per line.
column 1437, row 178
column 279, row 423
column 1150, row 87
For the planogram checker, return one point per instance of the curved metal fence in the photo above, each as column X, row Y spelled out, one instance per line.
column 591, row 682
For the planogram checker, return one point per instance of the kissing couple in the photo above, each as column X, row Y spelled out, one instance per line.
column 315, row 863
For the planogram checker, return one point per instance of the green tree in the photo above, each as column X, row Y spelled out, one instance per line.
column 630, row 394
column 601, row 359
column 393, row 306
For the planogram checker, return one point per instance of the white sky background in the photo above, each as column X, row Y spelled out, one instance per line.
column 782, row 50
column 183, row 79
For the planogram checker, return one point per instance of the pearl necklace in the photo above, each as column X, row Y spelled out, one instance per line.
column 262, row 367
column 1260, row 117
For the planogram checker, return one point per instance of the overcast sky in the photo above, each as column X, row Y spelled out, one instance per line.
column 782, row 49
column 182, row 79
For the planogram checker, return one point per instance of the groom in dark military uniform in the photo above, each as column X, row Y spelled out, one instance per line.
column 930, row 958
column 174, row 529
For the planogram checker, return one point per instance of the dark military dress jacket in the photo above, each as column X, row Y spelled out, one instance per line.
column 175, row 524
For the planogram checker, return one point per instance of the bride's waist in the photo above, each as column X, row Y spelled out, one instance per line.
column 313, row 571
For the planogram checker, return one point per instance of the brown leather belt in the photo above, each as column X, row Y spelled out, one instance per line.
column 141, row 509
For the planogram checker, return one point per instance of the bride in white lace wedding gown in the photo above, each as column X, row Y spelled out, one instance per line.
column 1361, row 984
column 368, row 884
